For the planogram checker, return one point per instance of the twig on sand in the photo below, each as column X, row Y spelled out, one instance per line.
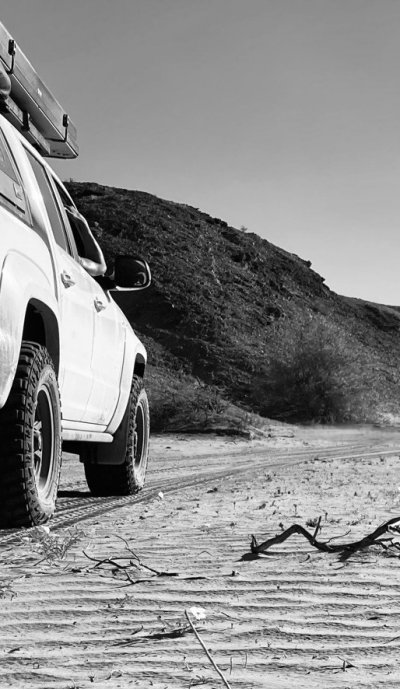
column 345, row 550
column 123, row 565
column 128, row 640
column 218, row 670
column 159, row 573
column 317, row 527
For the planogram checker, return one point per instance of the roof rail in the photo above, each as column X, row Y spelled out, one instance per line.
column 29, row 105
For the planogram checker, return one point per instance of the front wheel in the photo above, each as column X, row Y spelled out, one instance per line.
column 127, row 477
column 30, row 441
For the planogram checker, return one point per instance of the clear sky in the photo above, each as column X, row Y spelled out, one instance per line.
column 279, row 115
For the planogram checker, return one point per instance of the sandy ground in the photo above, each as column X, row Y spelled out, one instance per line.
column 296, row 618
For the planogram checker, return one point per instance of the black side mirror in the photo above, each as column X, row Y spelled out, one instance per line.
column 131, row 273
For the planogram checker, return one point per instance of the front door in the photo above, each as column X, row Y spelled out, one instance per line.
column 77, row 337
column 107, row 358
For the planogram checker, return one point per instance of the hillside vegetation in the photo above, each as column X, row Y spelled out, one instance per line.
column 231, row 318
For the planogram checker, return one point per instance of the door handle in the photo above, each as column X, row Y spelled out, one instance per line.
column 99, row 305
column 66, row 279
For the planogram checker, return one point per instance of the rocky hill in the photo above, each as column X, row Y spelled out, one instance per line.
column 230, row 308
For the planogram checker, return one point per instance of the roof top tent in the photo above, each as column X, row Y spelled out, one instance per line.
column 27, row 102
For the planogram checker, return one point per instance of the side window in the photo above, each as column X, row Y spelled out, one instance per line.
column 66, row 203
column 12, row 194
column 56, row 221
column 88, row 251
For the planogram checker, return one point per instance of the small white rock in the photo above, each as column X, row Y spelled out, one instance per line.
column 198, row 613
column 43, row 528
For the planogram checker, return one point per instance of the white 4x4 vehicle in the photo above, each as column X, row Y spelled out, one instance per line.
column 71, row 367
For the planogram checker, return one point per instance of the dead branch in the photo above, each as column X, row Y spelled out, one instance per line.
column 318, row 525
column 345, row 549
column 104, row 561
column 218, row 670
column 124, row 564
column 159, row 573
column 128, row 640
column 163, row 635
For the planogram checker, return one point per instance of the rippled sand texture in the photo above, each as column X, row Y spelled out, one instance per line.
column 294, row 618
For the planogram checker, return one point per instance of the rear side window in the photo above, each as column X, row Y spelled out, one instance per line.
column 67, row 203
column 53, row 211
column 12, row 194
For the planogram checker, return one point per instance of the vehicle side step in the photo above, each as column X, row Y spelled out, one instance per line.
column 93, row 436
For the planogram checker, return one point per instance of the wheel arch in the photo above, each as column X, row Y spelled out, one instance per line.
column 41, row 326
column 140, row 365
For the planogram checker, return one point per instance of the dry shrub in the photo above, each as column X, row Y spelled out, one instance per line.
column 181, row 402
column 51, row 547
column 321, row 376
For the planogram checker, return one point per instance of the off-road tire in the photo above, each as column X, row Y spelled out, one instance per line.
column 30, row 441
column 126, row 478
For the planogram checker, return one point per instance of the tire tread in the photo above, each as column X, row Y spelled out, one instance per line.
column 123, row 479
column 19, row 502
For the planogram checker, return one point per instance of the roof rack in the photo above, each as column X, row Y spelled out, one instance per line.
column 29, row 105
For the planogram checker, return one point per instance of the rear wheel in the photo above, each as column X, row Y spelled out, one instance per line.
column 30, row 441
column 127, row 477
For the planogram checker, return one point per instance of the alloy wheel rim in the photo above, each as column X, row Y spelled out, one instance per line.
column 138, row 436
column 43, row 441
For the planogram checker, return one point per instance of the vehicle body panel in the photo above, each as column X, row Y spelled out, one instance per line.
column 25, row 268
column 98, row 350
